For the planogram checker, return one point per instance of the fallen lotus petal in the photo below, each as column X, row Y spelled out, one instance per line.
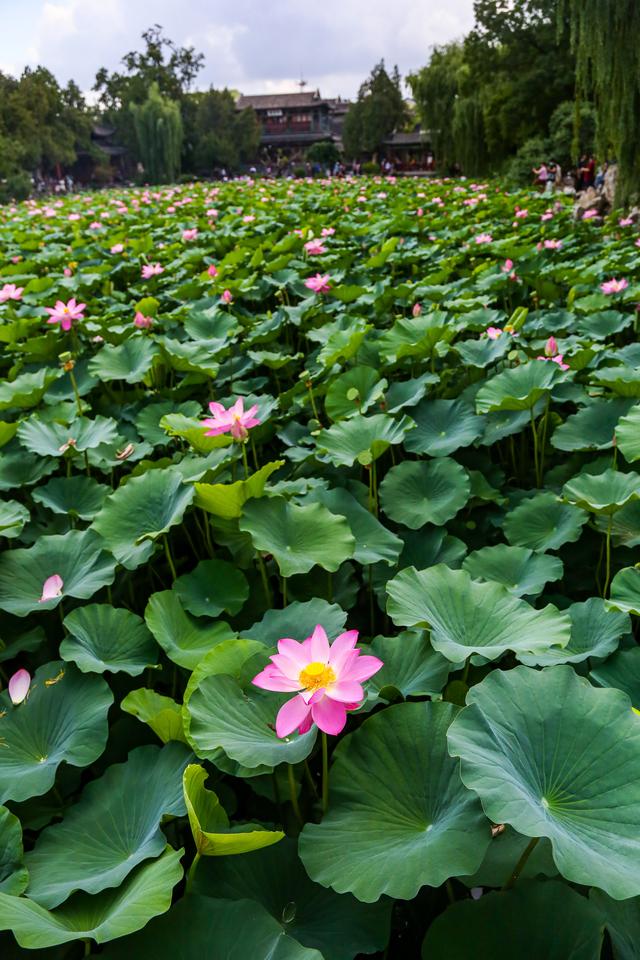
column 51, row 588
column 19, row 685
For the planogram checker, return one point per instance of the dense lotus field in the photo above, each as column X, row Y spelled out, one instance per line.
column 319, row 522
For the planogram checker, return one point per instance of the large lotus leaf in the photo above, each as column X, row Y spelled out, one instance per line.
column 504, row 852
column 77, row 556
column 196, row 926
column 504, row 423
column 625, row 525
column 399, row 815
column 603, row 324
column 102, row 637
column 188, row 356
column 112, row 828
column 406, row 393
column 129, row 361
column 622, row 920
column 73, row 496
column 162, row 714
column 211, row 587
column 212, row 833
column 148, row 420
column 628, row 435
column 417, row 492
column 298, row 537
column 443, row 426
column 27, row 390
column 591, row 428
column 140, row 511
column 429, row 545
column 194, row 432
column 412, row 668
column 50, row 438
column 622, row 380
column 550, row 754
column 480, row 353
column 354, row 392
column 520, row 570
column 602, row 492
column 19, row 469
column 468, row 617
column 7, row 432
column 544, row 522
column 298, row 620
column 625, row 591
column 341, row 927
column 621, row 671
column 534, row 920
column 63, row 718
column 13, row 517
column 518, row 388
column 361, row 439
column 13, row 874
column 227, row 499
column 106, row 916
column 240, row 720
column 374, row 543
column 595, row 632
column 184, row 639
column 416, row 336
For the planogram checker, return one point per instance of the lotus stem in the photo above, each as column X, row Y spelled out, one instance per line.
column 519, row 867
column 607, row 567
column 244, row 459
column 192, row 871
column 325, row 773
column 293, row 794
column 265, row 580
column 167, row 550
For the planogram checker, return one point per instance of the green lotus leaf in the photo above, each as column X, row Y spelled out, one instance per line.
column 628, row 434
column 374, row 543
column 19, row 469
column 354, row 392
column 418, row 492
column 591, row 428
column 7, row 432
column 211, row 587
column 64, row 718
column 624, row 525
column 416, row 336
column 240, row 927
column 622, row 920
column 73, row 496
column 102, row 637
column 505, row 423
column 603, row 324
column 535, row 919
column 340, row 927
column 298, row 537
column 298, row 620
column 399, row 815
column 544, row 522
column 28, row 641
column 130, row 360
column 212, row 833
column 52, row 439
column 622, row 380
column 193, row 431
column 625, row 591
column 412, row 668
column 112, row 828
column 430, row 545
column 621, row 671
column 139, row 512
column 227, row 499
column 518, row 388
column 184, row 639
column 504, row 852
column 239, row 719
column 188, row 356
column 361, row 439
column 549, row 754
column 27, row 390
column 519, row 569
column 211, row 324
column 13, row 874
column 595, row 632
column 161, row 713
column 443, row 426
column 480, row 353
column 468, row 617
column 106, row 916
column 148, row 420
column 77, row 556
column 13, row 517
column 407, row 393
column 602, row 492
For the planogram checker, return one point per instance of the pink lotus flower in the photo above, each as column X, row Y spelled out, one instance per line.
column 547, row 216
column 614, row 286
column 328, row 677
column 314, row 247
column 227, row 296
column 625, row 222
column 190, row 234
column 66, row 313
column 520, row 214
column 236, row 420
column 319, row 283
column 493, row 332
column 117, row 248
column 249, row 218
column 416, row 310
column 142, row 322
column 551, row 347
column 10, row 292
column 151, row 270
column 328, row 231
column 51, row 588
column 68, row 272
column 212, row 270
column 590, row 214
column 507, row 266
column 484, row 238
column 552, row 244
column 557, row 359
column 19, row 685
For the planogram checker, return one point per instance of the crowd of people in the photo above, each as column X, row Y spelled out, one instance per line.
column 549, row 176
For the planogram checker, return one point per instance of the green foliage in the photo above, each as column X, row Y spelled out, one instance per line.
column 378, row 111
column 158, row 127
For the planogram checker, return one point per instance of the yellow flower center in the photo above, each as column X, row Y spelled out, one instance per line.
column 316, row 675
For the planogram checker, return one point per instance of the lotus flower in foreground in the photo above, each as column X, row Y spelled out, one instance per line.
column 19, row 685
column 10, row 292
column 614, row 286
column 319, row 283
column 66, row 313
column 327, row 679
column 51, row 588
column 236, row 420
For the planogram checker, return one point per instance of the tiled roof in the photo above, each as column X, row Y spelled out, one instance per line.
column 276, row 101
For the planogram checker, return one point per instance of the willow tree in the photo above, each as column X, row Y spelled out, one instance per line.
column 605, row 35
column 158, row 127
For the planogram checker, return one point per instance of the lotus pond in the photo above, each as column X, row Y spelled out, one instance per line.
column 319, row 527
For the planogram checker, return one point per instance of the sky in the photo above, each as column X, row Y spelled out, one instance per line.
column 255, row 46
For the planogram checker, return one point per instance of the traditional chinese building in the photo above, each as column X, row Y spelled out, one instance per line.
column 291, row 122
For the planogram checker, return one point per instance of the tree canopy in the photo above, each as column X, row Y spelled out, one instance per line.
column 379, row 110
